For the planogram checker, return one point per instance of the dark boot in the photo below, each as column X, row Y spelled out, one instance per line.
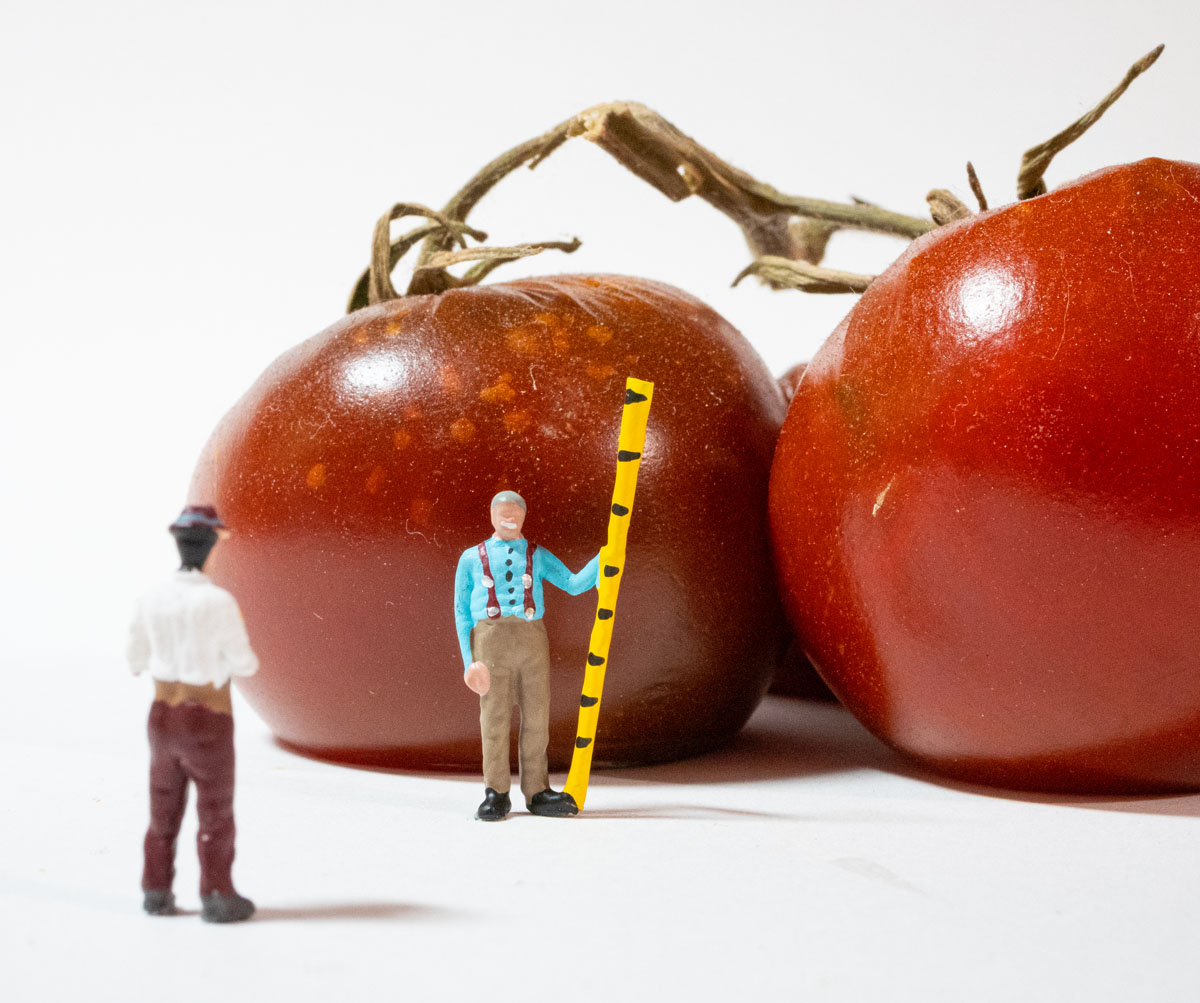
column 220, row 908
column 555, row 804
column 495, row 806
column 159, row 902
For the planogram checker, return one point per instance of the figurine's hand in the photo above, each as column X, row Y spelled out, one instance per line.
column 527, row 581
column 478, row 678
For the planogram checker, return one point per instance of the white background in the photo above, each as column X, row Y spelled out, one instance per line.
column 188, row 190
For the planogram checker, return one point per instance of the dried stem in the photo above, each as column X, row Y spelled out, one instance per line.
column 495, row 255
column 976, row 187
column 786, row 273
column 1030, row 180
column 787, row 233
column 678, row 166
column 531, row 152
column 379, row 280
column 945, row 207
column 478, row 272
column 810, row 238
column 359, row 297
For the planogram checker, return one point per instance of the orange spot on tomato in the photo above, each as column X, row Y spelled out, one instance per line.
column 521, row 339
column 517, row 421
column 599, row 333
column 413, row 413
column 420, row 511
column 549, row 319
column 401, row 439
column 394, row 326
column 451, row 384
column 375, row 481
column 600, row 371
column 462, row 430
column 361, row 337
column 500, row 392
column 316, row 476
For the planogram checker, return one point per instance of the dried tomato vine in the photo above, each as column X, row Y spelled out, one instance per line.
column 787, row 234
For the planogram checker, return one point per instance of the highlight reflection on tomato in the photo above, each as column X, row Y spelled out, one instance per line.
column 985, row 504
column 362, row 463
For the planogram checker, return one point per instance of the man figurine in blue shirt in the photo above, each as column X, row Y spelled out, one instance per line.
column 498, row 607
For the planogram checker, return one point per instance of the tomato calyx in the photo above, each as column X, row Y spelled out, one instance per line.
column 448, row 227
column 430, row 270
column 430, row 274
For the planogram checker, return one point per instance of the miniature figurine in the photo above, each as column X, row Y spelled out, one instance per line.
column 498, row 607
column 189, row 634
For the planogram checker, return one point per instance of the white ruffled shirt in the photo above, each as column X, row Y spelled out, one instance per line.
column 189, row 630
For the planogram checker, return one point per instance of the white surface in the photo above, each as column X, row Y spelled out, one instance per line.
column 190, row 189
column 804, row 862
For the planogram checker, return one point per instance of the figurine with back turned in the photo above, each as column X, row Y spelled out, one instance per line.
column 189, row 634
column 498, row 608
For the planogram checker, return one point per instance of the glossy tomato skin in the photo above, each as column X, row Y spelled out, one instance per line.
column 791, row 379
column 985, row 504
column 795, row 675
column 362, row 463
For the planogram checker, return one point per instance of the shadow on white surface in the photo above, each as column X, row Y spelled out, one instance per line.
column 1177, row 805
column 785, row 738
column 405, row 911
column 690, row 812
column 790, row 738
column 814, row 737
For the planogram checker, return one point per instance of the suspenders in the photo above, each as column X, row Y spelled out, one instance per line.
column 493, row 604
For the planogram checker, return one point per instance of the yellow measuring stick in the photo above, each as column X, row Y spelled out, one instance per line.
column 638, row 394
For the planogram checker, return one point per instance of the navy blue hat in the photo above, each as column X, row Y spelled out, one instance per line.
column 197, row 515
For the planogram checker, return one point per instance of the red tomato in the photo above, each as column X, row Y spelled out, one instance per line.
column 362, row 463
column 795, row 675
column 791, row 379
column 985, row 505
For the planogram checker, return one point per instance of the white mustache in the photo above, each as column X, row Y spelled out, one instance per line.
column 508, row 525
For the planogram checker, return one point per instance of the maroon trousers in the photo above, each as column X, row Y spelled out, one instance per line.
column 190, row 742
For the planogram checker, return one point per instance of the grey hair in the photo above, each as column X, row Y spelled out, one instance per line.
column 508, row 496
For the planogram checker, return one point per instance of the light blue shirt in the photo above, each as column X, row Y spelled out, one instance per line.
column 507, row 557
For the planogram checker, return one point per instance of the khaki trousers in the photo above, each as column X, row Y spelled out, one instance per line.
column 517, row 654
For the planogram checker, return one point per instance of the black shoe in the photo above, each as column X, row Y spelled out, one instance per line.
column 495, row 806
column 556, row 804
column 220, row 908
column 159, row 902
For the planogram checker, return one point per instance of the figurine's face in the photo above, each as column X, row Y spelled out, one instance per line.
column 507, row 520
